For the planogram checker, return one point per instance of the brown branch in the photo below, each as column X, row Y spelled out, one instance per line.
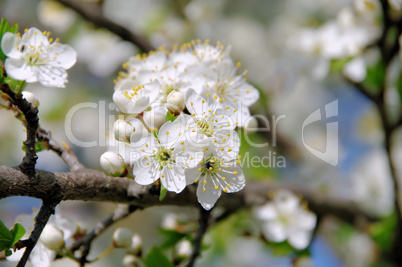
column 32, row 123
column 65, row 152
column 41, row 220
column 85, row 242
column 91, row 185
column 92, row 13
column 202, row 229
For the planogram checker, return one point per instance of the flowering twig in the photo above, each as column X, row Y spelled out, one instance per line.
column 85, row 242
column 92, row 13
column 47, row 209
column 202, row 229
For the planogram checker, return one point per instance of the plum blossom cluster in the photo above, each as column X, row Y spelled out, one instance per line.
column 180, row 111
column 286, row 218
column 33, row 57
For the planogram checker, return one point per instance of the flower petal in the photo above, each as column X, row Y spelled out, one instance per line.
column 299, row 239
column 65, row 56
column 207, row 194
column 192, row 174
column 17, row 69
column 145, row 173
column 274, row 231
column 9, row 45
column 265, row 212
column 173, row 179
column 234, row 178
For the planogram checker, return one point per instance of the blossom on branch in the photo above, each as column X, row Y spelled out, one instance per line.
column 33, row 57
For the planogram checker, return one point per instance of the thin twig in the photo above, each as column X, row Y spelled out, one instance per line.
column 47, row 209
column 92, row 13
column 202, row 229
column 65, row 153
column 85, row 242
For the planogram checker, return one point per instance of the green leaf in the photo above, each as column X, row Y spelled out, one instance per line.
column 382, row 232
column 163, row 192
column 338, row 64
column 17, row 233
column 5, row 234
column 156, row 258
column 5, row 237
column 375, row 77
column 38, row 147
column 170, row 117
column 172, row 237
column 8, row 253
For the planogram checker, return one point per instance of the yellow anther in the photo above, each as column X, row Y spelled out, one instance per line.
column 223, row 178
column 167, row 132
column 235, row 172
column 205, row 181
column 216, row 187
column 225, row 190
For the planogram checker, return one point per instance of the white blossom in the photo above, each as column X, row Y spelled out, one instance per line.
column 52, row 237
column 285, row 219
column 214, row 173
column 122, row 237
column 112, row 163
column 32, row 57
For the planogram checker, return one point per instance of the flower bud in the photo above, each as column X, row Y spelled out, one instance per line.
column 175, row 102
column 122, row 238
column 130, row 261
column 184, row 248
column 136, row 245
column 113, row 164
column 251, row 125
column 123, row 130
column 31, row 98
column 169, row 221
column 52, row 237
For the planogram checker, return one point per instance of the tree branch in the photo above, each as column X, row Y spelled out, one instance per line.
column 47, row 209
column 86, row 241
column 202, row 229
column 92, row 185
column 91, row 12
column 32, row 123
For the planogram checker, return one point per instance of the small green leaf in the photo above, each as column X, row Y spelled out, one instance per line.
column 38, row 147
column 170, row 117
column 17, row 232
column 338, row 64
column 172, row 237
column 8, row 253
column 375, row 77
column 5, row 234
column 156, row 258
column 163, row 192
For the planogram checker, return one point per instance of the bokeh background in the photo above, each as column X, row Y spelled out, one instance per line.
column 294, row 51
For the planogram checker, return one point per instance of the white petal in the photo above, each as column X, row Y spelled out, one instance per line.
column 65, row 55
column 146, row 174
column 266, row 212
column 234, row 177
column 41, row 256
column 9, row 47
column 171, row 133
column 34, row 38
column 51, row 76
column 17, row 69
column 208, row 197
column 152, row 90
column 173, row 179
column 286, row 202
column 355, row 69
column 195, row 103
column 304, row 220
column 274, row 231
column 299, row 239
column 192, row 174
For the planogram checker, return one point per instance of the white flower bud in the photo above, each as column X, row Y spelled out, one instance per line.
column 123, row 130
column 122, row 238
column 52, row 237
column 175, row 102
column 136, row 244
column 31, row 98
column 130, row 261
column 251, row 125
column 184, row 248
column 113, row 164
column 169, row 221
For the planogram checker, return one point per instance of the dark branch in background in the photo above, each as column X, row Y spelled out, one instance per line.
column 91, row 12
column 86, row 241
column 30, row 113
column 41, row 220
column 388, row 52
column 202, row 229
